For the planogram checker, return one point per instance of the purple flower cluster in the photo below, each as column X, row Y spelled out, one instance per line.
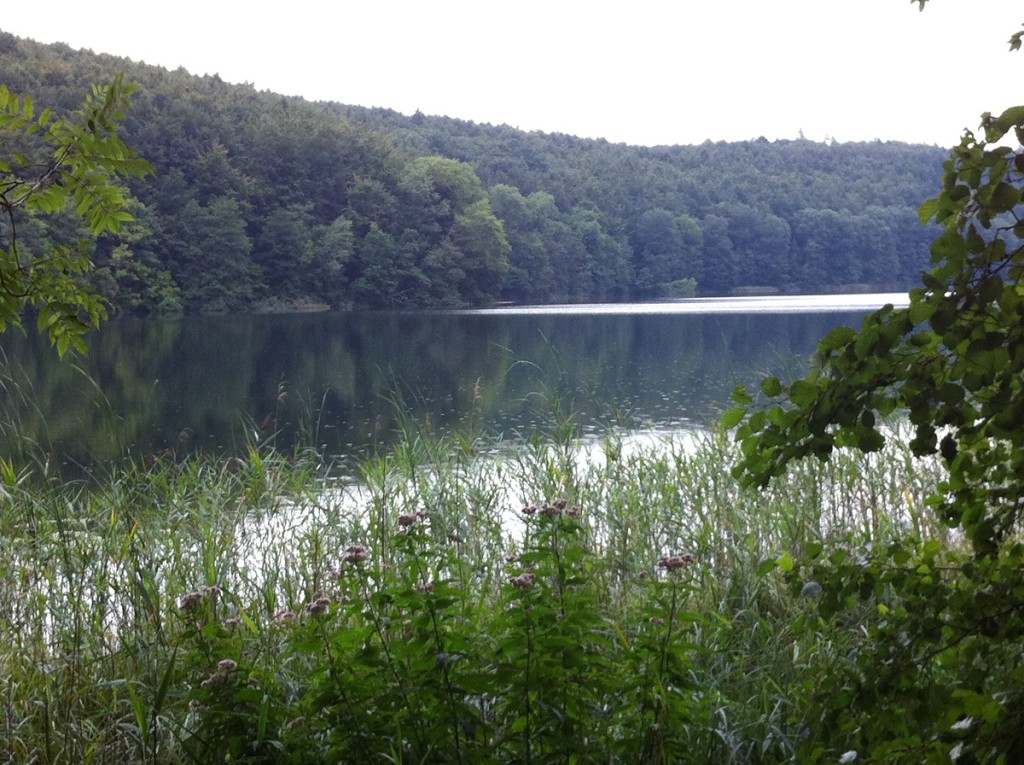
column 673, row 562
column 318, row 604
column 523, row 581
column 222, row 675
column 552, row 509
column 405, row 520
column 356, row 554
column 190, row 601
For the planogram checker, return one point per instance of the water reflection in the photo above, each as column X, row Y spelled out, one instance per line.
column 338, row 380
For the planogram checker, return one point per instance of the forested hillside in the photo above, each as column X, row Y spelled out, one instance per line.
column 264, row 202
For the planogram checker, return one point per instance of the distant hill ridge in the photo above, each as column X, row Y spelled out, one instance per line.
column 266, row 202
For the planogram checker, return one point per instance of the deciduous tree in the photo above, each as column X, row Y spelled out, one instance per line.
column 939, row 675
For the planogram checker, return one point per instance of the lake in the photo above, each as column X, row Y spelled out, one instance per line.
column 343, row 381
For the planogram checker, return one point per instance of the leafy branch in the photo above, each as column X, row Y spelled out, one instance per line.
column 83, row 160
column 938, row 677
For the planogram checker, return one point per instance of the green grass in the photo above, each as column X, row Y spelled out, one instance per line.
column 221, row 610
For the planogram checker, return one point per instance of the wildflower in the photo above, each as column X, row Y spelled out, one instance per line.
column 220, row 676
column 673, row 562
column 319, row 605
column 212, row 592
column 523, row 581
column 529, row 510
column 356, row 554
column 232, row 624
column 283, row 615
column 657, row 621
column 405, row 520
column 425, row 586
column 555, row 509
column 190, row 601
column 216, row 680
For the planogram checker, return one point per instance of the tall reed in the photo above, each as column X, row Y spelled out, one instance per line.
column 460, row 599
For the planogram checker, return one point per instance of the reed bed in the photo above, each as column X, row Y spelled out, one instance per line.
column 456, row 599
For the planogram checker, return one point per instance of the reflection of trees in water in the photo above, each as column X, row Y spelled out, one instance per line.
column 88, row 408
column 211, row 382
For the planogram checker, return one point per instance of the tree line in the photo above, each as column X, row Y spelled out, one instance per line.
column 265, row 202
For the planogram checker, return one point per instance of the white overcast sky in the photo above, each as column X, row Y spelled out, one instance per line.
column 639, row 71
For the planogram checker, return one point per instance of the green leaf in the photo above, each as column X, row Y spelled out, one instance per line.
column 733, row 417
column 771, row 387
column 920, row 312
column 1012, row 117
column 741, row 397
column 837, row 338
column 802, row 392
column 1005, row 196
column 928, row 210
column 869, row 440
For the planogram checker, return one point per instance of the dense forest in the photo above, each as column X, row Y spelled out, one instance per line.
column 264, row 202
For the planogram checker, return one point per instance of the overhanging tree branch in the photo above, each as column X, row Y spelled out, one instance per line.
column 87, row 161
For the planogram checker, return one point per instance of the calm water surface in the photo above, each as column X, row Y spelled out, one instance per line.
column 341, row 381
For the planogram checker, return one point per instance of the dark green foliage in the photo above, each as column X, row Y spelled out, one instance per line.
column 659, row 250
column 531, row 271
column 950, row 360
column 569, row 219
column 934, row 652
column 937, row 667
column 458, row 244
column 761, row 244
column 933, row 623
